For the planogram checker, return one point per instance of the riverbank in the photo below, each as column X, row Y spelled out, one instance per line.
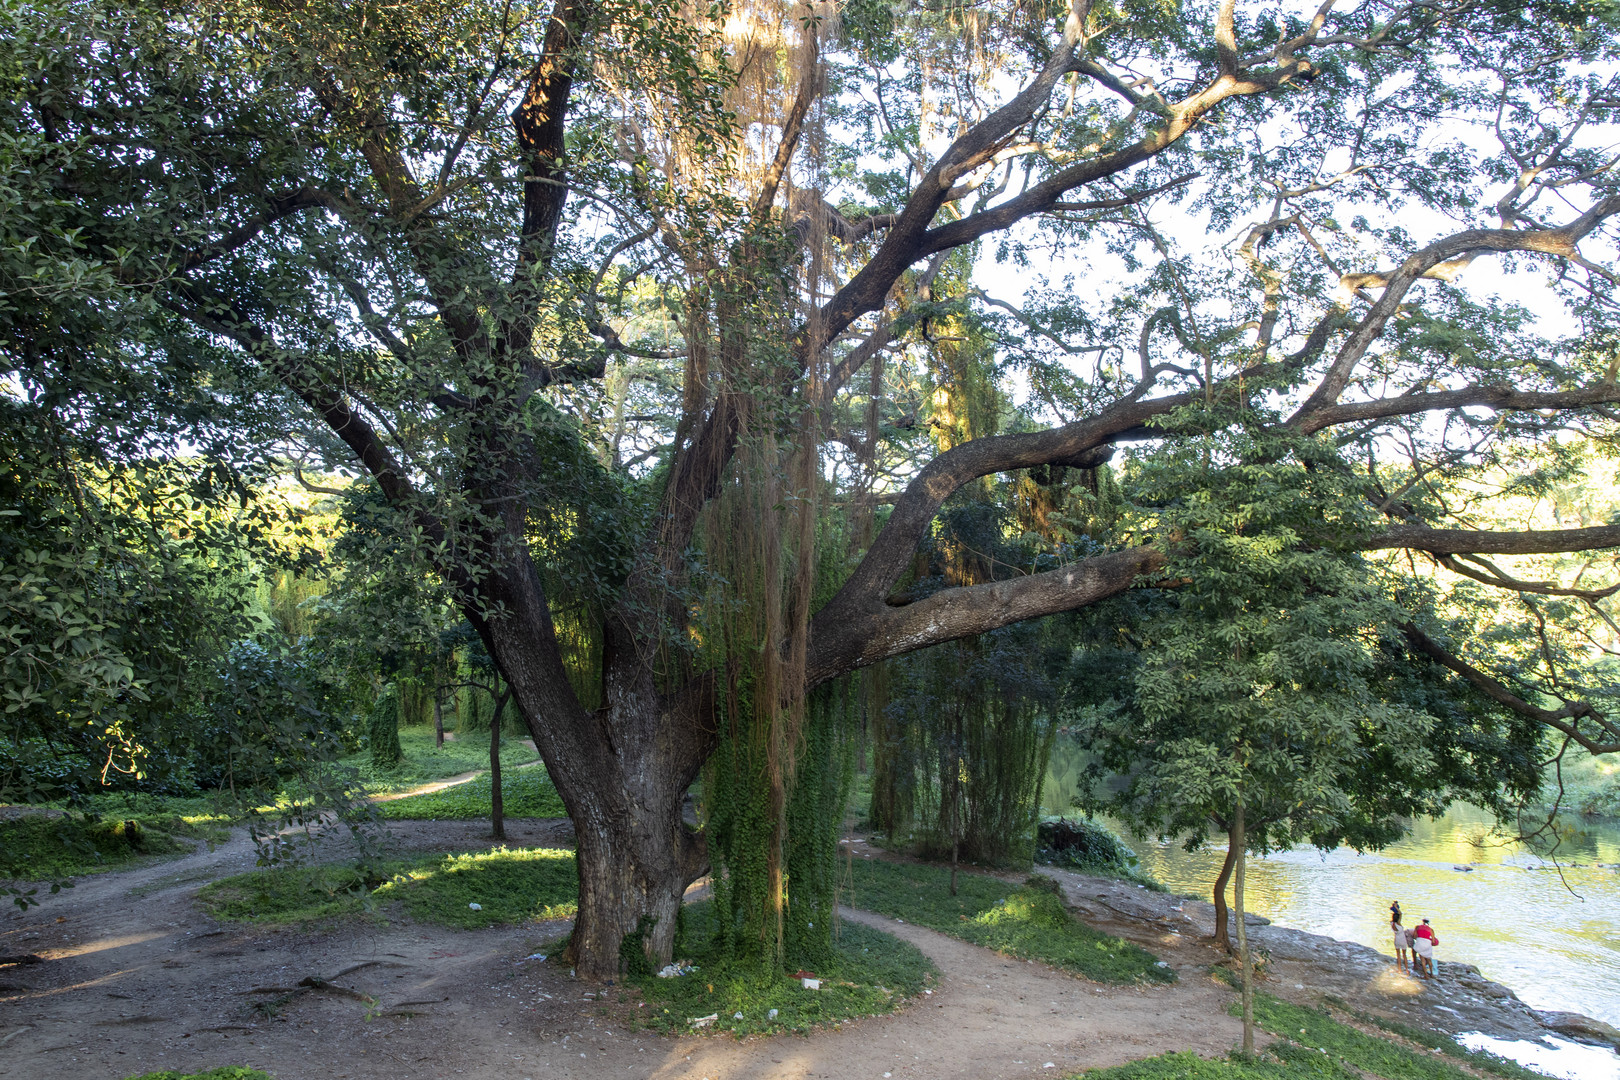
column 1313, row 969
column 1548, row 930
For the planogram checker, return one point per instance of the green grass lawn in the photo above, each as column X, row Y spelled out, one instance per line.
column 1311, row 1045
column 37, row 847
column 524, row 793
column 1029, row 922
column 425, row 762
column 874, row 973
column 1319, row 1031
column 509, row 885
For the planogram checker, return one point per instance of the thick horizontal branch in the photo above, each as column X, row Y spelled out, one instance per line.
column 1560, row 242
column 1492, row 397
column 1494, row 576
column 838, row 645
column 1476, row 542
column 891, row 552
column 279, row 207
column 1565, row 720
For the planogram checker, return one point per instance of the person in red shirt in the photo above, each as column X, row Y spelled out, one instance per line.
column 1423, row 943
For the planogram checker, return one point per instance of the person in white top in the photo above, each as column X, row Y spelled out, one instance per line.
column 1402, row 958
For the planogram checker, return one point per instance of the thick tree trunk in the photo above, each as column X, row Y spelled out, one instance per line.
column 1223, row 937
column 622, row 772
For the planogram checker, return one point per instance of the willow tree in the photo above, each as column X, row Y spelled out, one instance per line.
column 561, row 278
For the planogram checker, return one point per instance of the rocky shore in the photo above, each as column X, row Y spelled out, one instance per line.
column 1306, row 968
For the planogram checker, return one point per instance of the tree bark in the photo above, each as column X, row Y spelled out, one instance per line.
column 622, row 771
column 1223, row 937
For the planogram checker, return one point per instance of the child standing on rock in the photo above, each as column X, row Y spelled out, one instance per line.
column 1401, row 937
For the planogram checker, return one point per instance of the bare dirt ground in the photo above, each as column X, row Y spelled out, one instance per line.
column 136, row 978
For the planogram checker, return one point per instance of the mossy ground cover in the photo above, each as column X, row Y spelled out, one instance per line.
column 41, row 847
column 874, row 973
column 508, row 885
column 225, row 1072
column 424, row 763
column 1026, row 921
column 525, row 792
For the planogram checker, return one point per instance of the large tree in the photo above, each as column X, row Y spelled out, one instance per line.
column 593, row 290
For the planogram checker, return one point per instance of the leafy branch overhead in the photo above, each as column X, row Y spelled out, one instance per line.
column 665, row 334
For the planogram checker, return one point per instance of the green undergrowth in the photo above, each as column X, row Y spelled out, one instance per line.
column 874, row 973
column 1027, row 921
column 1090, row 848
column 1319, row 1032
column 423, row 762
column 509, row 885
column 1479, row 1059
column 224, row 1072
column 525, row 793
column 41, row 847
column 1280, row 1061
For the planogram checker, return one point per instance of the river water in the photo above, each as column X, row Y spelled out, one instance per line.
column 1554, row 941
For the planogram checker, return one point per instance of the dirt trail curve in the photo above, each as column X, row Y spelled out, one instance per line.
column 138, row 979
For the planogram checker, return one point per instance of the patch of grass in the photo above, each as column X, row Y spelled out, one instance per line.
column 1434, row 1040
column 224, row 1072
column 525, row 793
column 38, row 847
column 1317, row 1031
column 1281, row 1061
column 1027, row 921
column 874, row 973
column 424, row 762
column 509, row 885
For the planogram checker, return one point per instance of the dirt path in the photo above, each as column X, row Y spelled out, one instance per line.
column 449, row 782
column 138, row 979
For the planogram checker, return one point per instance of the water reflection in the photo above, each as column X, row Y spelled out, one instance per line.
column 1494, row 904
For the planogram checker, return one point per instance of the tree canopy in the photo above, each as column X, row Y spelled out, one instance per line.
column 664, row 332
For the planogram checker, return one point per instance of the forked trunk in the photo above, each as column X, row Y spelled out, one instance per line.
column 1222, row 935
column 622, row 772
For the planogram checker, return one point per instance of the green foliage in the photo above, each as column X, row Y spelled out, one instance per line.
column 1282, row 1061
column 866, row 972
column 815, row 819
column 1083, row 844
column 1434, row 1040
column 1314, row 1046
column 224, row 1072
column 382, row 732
column 40, row 847
column 509, row 885
column 1259, row 677
column 525, row 793
column 1025, row 921
column 965, row 729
